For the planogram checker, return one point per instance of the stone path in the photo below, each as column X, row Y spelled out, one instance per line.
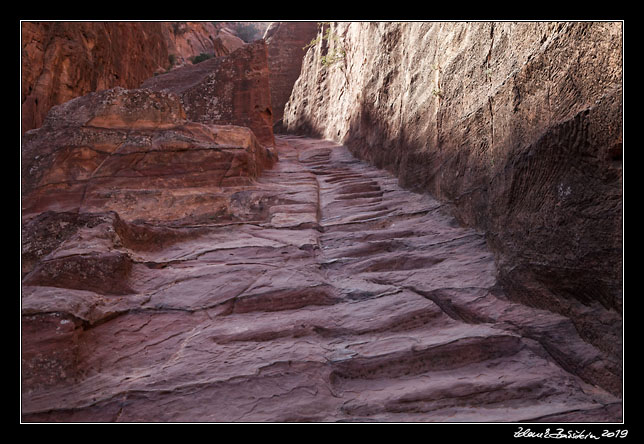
column 351, row 300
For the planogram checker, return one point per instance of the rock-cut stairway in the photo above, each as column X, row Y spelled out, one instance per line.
column 353, row 300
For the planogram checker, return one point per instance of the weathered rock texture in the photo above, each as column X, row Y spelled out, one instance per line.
column 247, row 31
column 188, row 39
column 286, row 42
column 337, row 297
column 64, row 60
column 134, row 152
column 232, row 89
column 517, row 124
column 173, row 271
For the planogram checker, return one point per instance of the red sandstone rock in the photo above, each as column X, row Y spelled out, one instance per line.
column 168, row 275
column 133, row 151
column 517, row 124
column 189, row 39
column 286, row 42
column 229, row 90
column 64, row 60
column 345, row 298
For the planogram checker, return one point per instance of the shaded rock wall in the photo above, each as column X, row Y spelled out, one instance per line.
column 286, row 42
column 517, row 124
column 233, row 89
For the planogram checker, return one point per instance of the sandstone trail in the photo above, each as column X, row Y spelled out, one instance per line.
column 340, row 297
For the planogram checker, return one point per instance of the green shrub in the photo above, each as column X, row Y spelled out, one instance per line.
column 200, row 58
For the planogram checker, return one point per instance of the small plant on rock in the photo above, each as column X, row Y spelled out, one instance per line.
column 200, row 58
column 337, row 54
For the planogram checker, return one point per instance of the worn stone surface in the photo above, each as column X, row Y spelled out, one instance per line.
column 286, row 42
column 228, row 90
column 519, row 125
column 339, row 297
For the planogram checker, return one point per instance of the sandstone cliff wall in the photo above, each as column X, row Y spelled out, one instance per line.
column 64, row 60
column 518, row 125
column 285, row 42
column 189, row 39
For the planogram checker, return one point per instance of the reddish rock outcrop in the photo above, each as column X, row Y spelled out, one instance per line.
column 64, row 60
column 134, row 152
column 286, row 42
column 518, row 125
column 188, row 39
column 229, row 90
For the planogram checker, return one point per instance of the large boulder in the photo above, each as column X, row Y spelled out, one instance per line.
column 134, row 152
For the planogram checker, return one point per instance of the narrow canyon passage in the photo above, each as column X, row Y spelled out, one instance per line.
column 353, row 300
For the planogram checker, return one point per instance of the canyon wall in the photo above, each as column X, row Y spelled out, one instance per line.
column 64, row 60
column 189, row 39
column 286, row 43
column 516, row 126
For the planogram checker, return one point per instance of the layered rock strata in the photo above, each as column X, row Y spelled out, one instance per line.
column 519, row 125
column 134, row 152
column 228, row 90
column 286, row 42
column 339, row 297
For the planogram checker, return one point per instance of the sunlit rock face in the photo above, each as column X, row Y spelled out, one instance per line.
column 64, row 60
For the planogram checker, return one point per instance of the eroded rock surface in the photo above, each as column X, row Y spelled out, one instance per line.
column 134, row 152
column 228, row 90
column 64, row 60
column 188, row 39
column 519, row 125
column 286, row 42
column 336, row 296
